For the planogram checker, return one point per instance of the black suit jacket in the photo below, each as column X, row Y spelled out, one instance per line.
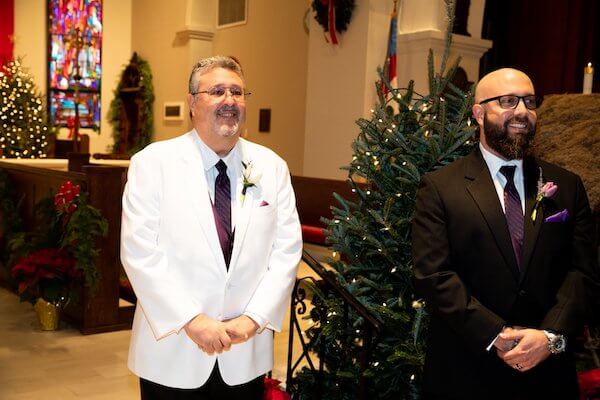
column 466, row 271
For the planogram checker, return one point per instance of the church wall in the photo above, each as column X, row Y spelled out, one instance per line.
column 116, row 52
column 273, row 49
column 153, row 36
column 30, row 38
column 339, row 89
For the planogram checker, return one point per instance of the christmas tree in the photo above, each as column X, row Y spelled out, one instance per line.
column 407, row 135
column 23, row 123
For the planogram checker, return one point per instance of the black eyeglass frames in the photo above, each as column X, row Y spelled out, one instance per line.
column 509, row 101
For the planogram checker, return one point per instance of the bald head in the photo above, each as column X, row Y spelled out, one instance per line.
column 503, row 81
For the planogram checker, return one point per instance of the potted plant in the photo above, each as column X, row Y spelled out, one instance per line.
column 59, row 257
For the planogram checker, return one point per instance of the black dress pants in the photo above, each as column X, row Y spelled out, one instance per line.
column 213, row 389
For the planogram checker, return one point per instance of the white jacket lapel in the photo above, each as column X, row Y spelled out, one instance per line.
column 198, row 191
column 244, row 207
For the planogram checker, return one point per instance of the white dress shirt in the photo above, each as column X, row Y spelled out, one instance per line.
column 494, row 163
column 233, row 160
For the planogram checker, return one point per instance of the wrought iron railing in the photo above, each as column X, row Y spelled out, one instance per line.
column 327, row 284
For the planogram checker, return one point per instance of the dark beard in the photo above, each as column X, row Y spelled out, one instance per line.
column 511, row 147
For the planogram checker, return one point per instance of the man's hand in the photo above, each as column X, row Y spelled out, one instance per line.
column 241, row 329
column 208, row 334
column 531, row 350
column 503, row 345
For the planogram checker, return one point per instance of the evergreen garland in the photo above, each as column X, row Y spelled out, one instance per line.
column 146, row 108
column 24, row 127
column 343, row 13
column 407, row 135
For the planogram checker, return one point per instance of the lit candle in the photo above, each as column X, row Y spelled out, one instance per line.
column 588, row 78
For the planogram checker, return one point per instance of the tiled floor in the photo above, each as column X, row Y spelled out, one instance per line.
column 65, row 365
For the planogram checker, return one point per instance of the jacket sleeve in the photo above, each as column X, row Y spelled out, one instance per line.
column 165, row 304
column 435, row 279
column 580, row 291
column 271, row 298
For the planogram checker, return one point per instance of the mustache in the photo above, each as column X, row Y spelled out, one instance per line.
column 229, row 108
column 520, row 120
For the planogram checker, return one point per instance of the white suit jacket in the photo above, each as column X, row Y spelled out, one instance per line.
column 171, row 253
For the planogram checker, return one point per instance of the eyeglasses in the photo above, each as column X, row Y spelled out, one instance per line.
column 512, row 101
column 217, row 92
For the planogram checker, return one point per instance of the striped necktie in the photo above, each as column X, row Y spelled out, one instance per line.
column 223, row 210
column 513, row 212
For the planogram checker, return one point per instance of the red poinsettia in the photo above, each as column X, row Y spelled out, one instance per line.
column 50, row 264
column 273, row 392
column 65, row 200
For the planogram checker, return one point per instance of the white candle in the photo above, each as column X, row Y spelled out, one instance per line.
column 588, row 78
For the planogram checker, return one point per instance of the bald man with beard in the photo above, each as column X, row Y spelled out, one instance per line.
column 504, row 285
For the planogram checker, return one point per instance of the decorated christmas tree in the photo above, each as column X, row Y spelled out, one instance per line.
column 407, row 135
column 23, row 124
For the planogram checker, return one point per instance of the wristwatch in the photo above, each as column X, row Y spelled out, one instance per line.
column 556, row 342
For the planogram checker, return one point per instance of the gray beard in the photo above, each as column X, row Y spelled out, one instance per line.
column 511, row 147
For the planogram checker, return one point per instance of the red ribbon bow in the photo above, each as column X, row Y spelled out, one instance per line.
column 330, row 4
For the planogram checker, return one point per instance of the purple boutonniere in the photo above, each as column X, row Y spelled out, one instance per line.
column 545, row 190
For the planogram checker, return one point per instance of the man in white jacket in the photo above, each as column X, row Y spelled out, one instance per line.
column 211, row 242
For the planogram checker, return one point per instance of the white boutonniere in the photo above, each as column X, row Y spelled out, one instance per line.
column 545, row 190
column 250, row 177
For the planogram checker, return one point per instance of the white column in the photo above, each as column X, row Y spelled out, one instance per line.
column 199, row 28
column 421, row 26
column 196, row 34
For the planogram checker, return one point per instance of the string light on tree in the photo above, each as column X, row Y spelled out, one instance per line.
column 22, row 114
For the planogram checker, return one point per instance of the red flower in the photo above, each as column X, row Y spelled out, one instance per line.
column 273, row 392
column 64, row 199
column 45, row 264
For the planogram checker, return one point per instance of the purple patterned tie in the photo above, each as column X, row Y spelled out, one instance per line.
column 514, row 212
column 223, row 210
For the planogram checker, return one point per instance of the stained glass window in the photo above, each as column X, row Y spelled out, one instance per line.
column 75, row 44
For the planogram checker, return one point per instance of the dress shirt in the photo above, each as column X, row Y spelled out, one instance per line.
column 494, row 163
column 233, row 160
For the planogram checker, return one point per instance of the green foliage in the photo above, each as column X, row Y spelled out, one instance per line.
column 24, row 128
column 85, row 226
column 407, row 135
column 145, row 108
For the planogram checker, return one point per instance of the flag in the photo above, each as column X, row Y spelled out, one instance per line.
column 390, row 64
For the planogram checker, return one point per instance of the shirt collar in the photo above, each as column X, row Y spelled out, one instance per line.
column 210, row 158
column 494, row 162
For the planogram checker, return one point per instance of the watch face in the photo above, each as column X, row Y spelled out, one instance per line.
column 559, row 344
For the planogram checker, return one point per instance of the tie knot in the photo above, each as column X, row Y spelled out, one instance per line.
column 221, row 167
column 508, row 171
